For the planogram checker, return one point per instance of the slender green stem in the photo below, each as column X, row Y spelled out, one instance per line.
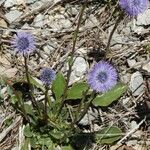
column 86, row 107
column 21, row 105
column 72, row 55
column 46, row 101
column 34, row 103
column 113, row 30
column 80, row 105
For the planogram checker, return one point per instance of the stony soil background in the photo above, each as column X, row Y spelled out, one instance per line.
column 52, row 22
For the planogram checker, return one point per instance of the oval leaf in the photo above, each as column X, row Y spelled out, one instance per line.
column 57, row 134
column 109, row 135
column 112, row 95
column 58, row 85
column 27, row 131
column 77, row 90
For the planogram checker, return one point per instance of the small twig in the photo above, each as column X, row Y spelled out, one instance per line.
column 12, row 126
column 34, row 103
column 46, row 100
column 131, row 132
column 113, row 30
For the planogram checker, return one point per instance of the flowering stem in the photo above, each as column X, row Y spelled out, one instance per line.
column 86, row 107
column 72, row 55
column 80, row 105
column 46, row 101
column 34, row 103
column 113, row 30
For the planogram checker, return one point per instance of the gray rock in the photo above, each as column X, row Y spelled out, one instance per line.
column 126, row 78
column 48, row 49
column 31, row 1
column 13, row 15
column 38, row 20
column 91, row 21
column 65, row 23
column 144, row 18
column 79, row 69
column 136, row 84
column 131, row 62
column 1, row 2
column 10, row 3
column 80, row 66
column 88, row 118
column 58, row 22
column 146, row 67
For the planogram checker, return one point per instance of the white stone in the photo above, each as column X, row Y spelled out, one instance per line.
column 133, row 124
column 146, row 67
column 136, row 84
column 144, row 18
column 65, row 23
column 131, row 62
column 48, row 49
column 13, row 15
column 80, row 66
column 79, row 69
column 30, row 1
column 38, row 20
column 10, row 3
column 91, row 21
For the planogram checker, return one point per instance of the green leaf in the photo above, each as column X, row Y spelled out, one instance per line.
column 67, row 147
column 112, row 95
column 26, row 144
column 58, row 85
column 29, row 109
column 27, row 131
column 36, row 82
column 57, row 134
column 108, row 135
column 77, row 90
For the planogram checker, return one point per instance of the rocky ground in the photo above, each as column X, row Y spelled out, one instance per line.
column 52, row 22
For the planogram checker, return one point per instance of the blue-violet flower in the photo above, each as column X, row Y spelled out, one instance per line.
column 102, row 77
column 47, row 76
column 23, row 43
column 134, row 7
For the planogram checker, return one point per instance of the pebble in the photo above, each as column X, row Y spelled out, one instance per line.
column 126, row 78
column 88, row 118
column 79, row 69
column 136, row 84
column 13, row 15
column 58, row 22
column 38, row 20
column 146, row 67
column 144, row 18
column 131, row 142
column 131, row 62
column 10, row 3
column 91, row 21
column 30, row 1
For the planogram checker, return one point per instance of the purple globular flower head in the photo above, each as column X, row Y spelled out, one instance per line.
column 102, row 77
column 23, row 43
column 134, row 7
column 47, row 76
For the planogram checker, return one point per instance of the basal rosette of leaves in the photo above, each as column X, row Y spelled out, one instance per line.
column 61, row 128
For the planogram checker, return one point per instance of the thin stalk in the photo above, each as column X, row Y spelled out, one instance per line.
column 34, row 103
column 72, row 55
column 86, row 107
column 46, row 101
column 22, row 105
column 113, row 30
column 80, row 105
